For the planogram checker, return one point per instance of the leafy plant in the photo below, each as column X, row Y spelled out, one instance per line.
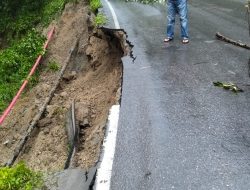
column 15, row 64
column 53, row 66
column 95, row 5
column 19, row 177
column 33, row 80
column 51, row 8
column 100, row 20
column 18, row 18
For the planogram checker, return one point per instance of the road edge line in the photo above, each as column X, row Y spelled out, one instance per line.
column 116, row 22
column 104, row 172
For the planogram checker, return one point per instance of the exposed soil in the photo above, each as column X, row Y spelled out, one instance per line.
column 92, row 79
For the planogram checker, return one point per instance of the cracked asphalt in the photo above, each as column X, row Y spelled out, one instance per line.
column 177, row 130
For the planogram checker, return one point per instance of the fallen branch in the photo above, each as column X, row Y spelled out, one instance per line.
column 228, row 40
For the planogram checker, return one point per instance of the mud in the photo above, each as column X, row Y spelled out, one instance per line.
column 92, row 79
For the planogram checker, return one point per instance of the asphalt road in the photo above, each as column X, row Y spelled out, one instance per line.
column 176, row 130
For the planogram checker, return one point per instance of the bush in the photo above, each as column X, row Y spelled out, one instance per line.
column 95, row 5
column 15, row 64
column 19, row 178
column 53, row 66
column 18, row 18
column 51, row 8
column 100, row 20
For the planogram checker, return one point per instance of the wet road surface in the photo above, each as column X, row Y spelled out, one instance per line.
column 176, row 130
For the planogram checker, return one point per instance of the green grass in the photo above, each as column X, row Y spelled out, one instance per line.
column 18, row 17
column 19, row 177
column 100, row 20
column 51, row 8
column 53, row 66
column 24, row 44
column 95, row 5
column 15, row 64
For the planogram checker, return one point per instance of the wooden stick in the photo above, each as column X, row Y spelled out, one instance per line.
column 228, row 40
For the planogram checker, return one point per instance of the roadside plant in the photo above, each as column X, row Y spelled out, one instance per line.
column 21, row 43
column 15, row 64
column 33, row 80
column 19, row 177
column 95, row 5
column 100, row 20
column 19, row 17
column 53, row 66
column 51, row 9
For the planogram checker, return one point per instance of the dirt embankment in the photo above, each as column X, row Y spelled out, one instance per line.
column 92, row 79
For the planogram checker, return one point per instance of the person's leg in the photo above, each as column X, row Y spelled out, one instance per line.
column 171, row 18
column 183, row 11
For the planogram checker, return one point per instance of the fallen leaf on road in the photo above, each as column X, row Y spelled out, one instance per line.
column 228, row 86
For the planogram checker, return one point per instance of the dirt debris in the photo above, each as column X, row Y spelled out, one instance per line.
column 70, row 76
column 92, row 79
column 94, row 92
column 21, row 116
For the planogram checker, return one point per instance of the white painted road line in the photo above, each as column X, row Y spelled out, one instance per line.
column 117, row 25
column 145, row 67
column 103, row 178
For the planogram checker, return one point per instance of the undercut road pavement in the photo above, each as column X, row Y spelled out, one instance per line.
column 176, row 130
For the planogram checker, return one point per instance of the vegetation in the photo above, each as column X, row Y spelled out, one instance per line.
column 19, row 177
column 95, row 5
column 18, row 17
column 22, row 43
column 53, row 66
column 100, row 20
column 228, row 86
column 15, row 63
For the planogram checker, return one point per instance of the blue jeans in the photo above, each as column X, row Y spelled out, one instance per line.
column 177, row 7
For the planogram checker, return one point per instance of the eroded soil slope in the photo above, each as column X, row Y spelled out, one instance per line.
column 92, row 79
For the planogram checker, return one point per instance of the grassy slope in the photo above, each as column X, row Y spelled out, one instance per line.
column 24, row 43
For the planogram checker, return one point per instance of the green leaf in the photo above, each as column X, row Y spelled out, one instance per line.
column 228, row 86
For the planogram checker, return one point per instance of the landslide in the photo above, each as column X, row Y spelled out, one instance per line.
column 92, row 80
